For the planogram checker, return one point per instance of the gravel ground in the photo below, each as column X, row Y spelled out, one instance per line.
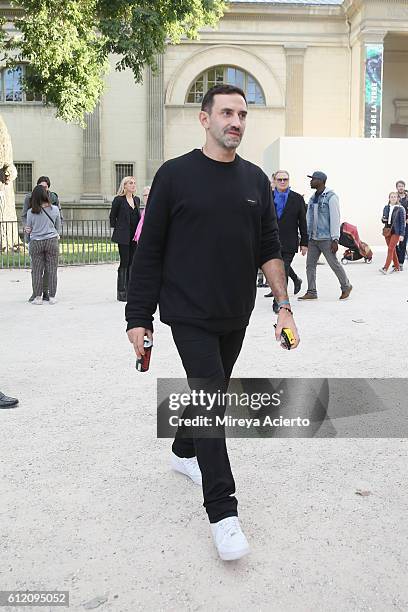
column 89, row 505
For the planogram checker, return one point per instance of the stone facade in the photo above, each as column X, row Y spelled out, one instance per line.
column 308, row 59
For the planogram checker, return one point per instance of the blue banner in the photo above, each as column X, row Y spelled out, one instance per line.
column 374, row 58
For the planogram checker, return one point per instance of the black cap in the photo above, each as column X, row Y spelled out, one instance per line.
column 321, row 176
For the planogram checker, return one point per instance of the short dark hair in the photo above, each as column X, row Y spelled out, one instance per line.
column 44, row 179
column 38, row 196
column 208, row 100
column 398, row 182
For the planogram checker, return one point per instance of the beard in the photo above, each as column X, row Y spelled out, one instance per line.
column 229, row 141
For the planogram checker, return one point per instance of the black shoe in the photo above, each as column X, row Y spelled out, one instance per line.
column 32, row 298
column 46, row 296
column 122, row 285
column 275, row 307
column 7, row 402
column 270, row 294
column 297, row 285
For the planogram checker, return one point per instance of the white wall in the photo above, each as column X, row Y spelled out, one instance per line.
column 54, row 147
column 327, row 92
column 362, row 171
column 123, row 128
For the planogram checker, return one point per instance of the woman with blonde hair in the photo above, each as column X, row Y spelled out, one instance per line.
column 393, row 231
column 124, row 217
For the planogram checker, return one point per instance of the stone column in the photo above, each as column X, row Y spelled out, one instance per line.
column 92, row 157
column 155, row 119
column 295, row 56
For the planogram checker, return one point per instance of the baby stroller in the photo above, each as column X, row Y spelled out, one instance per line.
column 355, row 248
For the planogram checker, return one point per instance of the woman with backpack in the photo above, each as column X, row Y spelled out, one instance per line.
column 43, row 226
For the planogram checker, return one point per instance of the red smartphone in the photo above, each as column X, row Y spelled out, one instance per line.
column 142, row 364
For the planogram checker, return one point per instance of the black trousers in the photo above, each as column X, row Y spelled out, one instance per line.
column 287, row 261
column 208, row 359
column 126, row 253
column 292, row 274
column 402, row 248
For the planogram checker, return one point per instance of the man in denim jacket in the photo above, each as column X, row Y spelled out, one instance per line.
column 323, row 227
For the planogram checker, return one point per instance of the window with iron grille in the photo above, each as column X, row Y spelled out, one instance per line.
column 122, row 170
column 24, row 180
column 219, row 75
column 11, row 86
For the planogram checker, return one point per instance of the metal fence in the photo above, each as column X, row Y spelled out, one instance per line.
column 81, row 242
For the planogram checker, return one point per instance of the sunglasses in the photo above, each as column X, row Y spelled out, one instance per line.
column 282, row 180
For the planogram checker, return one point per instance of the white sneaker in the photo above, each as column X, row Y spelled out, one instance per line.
column 37, row 301
column 52, row 300
column 229, row 539
column 187, row 466
column 383, row 271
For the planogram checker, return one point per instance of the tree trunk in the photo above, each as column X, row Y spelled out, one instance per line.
column 8, row 173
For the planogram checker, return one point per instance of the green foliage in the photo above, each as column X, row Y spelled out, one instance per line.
column 67, row 43
column 64, row 53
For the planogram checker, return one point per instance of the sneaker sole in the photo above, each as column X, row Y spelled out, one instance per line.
column 233, row 556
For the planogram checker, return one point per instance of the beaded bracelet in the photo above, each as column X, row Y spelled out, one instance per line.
column 285, row 308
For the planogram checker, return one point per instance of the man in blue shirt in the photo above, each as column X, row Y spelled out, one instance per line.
column 323, row 227
column 291, row 215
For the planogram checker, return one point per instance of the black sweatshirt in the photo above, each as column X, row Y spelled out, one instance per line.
column 208, row 227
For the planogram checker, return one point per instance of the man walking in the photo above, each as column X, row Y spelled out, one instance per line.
column 402, row 246
column 323, row 226
column 210, row 218
column 291, row 214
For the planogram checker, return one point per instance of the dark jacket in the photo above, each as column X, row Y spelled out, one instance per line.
column 293, row 221
column 53, row 199
column 119, row 218
column 397, row 219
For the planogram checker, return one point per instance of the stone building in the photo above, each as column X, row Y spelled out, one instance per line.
column 310, row 68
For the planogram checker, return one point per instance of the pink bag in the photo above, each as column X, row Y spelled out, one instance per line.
column 139, row 227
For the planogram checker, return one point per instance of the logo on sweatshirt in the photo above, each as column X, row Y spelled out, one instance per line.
column 251, row 202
